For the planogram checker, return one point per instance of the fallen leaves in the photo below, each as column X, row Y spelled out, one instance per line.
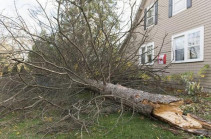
column 142, row 117
column 17, row 133
column 48, row 119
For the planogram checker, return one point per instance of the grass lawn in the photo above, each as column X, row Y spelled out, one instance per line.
column 128, row 127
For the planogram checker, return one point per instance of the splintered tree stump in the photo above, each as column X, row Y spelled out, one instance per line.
column 162, row 107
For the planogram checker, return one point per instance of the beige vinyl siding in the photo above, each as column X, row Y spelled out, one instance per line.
column 196, row 16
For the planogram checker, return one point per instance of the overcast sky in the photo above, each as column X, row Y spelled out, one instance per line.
column 7, row 7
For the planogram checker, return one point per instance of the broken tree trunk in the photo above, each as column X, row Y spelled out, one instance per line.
column 162, row 107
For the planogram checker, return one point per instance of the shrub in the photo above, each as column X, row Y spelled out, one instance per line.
column 192, row 81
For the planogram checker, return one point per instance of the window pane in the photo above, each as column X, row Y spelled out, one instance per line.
column 194, row 45
column 194, row 38
column 143, row 55
column 149, row 49
column 179, row 55
column 151, row 12
column 150, row 21
column 149, row 58
column 179, row 43
column 149, row 54
column 179, row 5
column 150, row 16
column 194, row 52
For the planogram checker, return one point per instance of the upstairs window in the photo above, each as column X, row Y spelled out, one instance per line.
column 151, row 15
column 147, row 54
column 179, row 5
column 188, row 46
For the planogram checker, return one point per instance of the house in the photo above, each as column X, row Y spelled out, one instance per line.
column 182, row 28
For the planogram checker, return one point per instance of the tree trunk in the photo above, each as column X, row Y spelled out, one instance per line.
column 162, row 107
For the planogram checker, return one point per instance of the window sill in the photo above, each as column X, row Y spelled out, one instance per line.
column 150, row 26
column 188, row 61
column 147, row 64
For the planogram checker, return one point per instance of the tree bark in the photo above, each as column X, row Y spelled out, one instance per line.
column 162, row 107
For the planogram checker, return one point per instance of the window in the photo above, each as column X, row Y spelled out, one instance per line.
column 188, row 46
column 147, row 54
column 179, row 5
column 150, row 16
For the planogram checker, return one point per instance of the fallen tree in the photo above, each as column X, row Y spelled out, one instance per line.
column 163, row 107
column 81, row 49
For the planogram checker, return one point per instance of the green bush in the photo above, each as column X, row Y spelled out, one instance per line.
column 192, row 81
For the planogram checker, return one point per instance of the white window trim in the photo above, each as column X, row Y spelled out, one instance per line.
column 153, row 53
column 201, row 29
column 174, row 13
column 153, row 16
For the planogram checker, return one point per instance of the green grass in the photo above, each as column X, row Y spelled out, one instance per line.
column 208, row 99
column 135, row 127
column 19, row 130
column 127, row 127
